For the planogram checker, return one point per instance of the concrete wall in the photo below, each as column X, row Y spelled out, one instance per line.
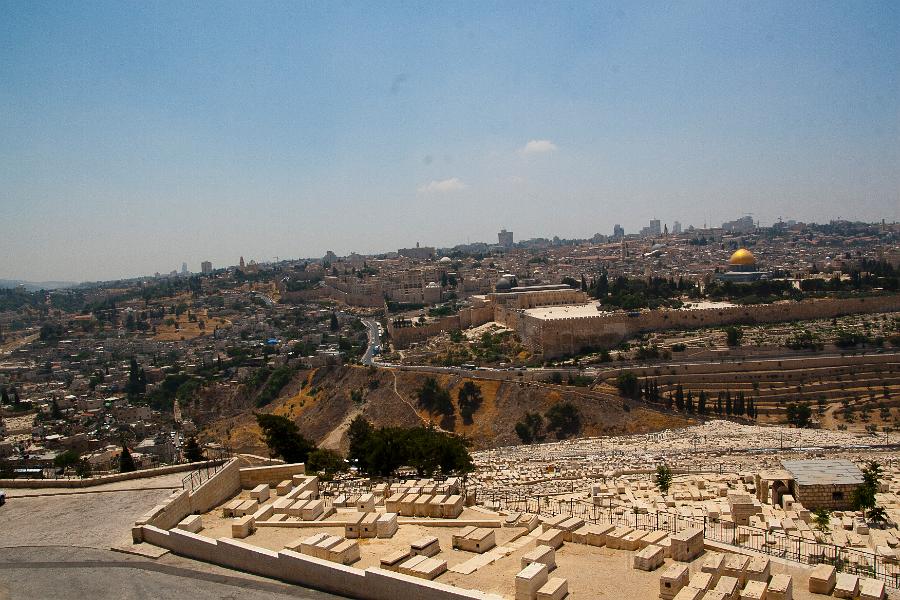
column 251, row 477
column 293, row 567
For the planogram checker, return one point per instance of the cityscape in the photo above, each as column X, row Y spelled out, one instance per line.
column 672, row 371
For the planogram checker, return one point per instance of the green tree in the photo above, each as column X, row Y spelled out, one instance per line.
column 663, row 478
column 192, row 450
column 334, row 325
column 470, row 399
column 563, row 418
column 863, row 497
column 822, row 519
column 433, row 398
column 283, row 438
column 799, row 414
column 627, row 383
column 66, row 459
column 126, row 461
column 4, row 396
column 530, row 429
column 325, row 461
column 733, row 336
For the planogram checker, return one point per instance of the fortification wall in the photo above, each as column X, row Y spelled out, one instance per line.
column 271, row 474
column 467, row 317
column 559, row 337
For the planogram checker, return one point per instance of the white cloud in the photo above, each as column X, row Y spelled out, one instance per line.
column 443, row 186
column 538, row 147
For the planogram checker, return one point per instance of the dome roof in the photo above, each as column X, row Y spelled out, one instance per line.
column 503, row 284
column 742, row 257
column 446, row 259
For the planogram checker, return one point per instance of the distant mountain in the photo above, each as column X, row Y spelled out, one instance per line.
column 33, row 286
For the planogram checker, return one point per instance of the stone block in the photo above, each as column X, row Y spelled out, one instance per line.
column 346, row 552
column 687, row 544
column 758, row 569
column 671, row 581
column 386, row 525
column 553, row 522
column 542, row 554
column 312, row 510
column 422, row 505
column 228, row 509
column 322, row 549
column 284, row 487
column 480, row 540
column 452, row 507
column 781, row 587
column 429, row 568
column 260, row 493
column 529, row 580
column 192, row 523
column 282, row 506
column 703, row 581
column 365, row 503
column 714, row 595
column 406, row 567
column 551, row 537
column 556, row 588
column 713, row 564
column 307, row 545
column 426, row 546
column 353, row 525
column 614, row 537
column 735, row 566
column 653, row 537
column 754, row 590
column 435, row 508
column 392, row 504
column 689, row 593
column 822, row 580
column 407, row 505
column 846, row 586
column 392, row 561
column 597, row 534
column 728, row 586
column 649, row 559
column 632, row 540
column 242, row 527
column 871, row 589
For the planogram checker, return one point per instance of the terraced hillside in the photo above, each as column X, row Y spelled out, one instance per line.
column 324, row 401
column 856, row 391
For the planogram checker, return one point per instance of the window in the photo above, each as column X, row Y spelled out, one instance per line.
column 837, row 496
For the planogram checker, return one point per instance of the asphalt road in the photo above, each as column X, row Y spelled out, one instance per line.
column 59, row 546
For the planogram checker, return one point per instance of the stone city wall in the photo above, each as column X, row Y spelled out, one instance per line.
column 559, row 337
column 467, row 317
column 308, row 571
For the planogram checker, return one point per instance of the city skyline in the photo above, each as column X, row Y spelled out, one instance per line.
column 136, row 136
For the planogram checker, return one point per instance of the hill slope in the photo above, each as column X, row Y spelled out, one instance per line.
column 323, row 402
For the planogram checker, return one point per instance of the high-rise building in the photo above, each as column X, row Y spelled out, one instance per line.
column 505, row 238
column 618, row 231
column 676, row 227
column 184, row 270
column 655, row 227
column 206, row 267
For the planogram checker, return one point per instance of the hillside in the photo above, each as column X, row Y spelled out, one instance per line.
column 323, row 402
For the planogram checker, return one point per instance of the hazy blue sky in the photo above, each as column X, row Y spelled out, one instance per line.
column 137, row 135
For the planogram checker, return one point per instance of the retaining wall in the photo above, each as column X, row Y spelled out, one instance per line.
column 251, row 477
column 308, row 571
column 92, row 481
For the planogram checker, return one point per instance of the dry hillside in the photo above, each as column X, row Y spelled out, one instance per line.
column 324, row 401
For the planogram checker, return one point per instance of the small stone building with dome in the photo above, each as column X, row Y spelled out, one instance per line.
column 742, row 268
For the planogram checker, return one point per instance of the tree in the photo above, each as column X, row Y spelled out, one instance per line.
column 66, row 459
column 701, row 403
column 284, row 439
column 733, row 336
column 126, row 461
column 192, row 450
column 663, row 478
column 325, row 461
column 863, row 497
column 469, row 397
column 529, row 429
column 564, row 419
column 359, row 434
column 4, row 396
column 334, row 325
column 679, row 397
column 627, row 383
column 434, row 398
column 798, row 414
column 822, row 519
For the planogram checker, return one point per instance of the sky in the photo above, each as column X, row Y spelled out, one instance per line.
column 135, row 136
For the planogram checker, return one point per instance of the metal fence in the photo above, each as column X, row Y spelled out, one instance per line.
column 779, row 544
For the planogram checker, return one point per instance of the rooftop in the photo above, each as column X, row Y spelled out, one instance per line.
column 823, row 472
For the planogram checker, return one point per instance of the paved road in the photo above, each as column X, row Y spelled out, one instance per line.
column 57, row 544
column 374, row 340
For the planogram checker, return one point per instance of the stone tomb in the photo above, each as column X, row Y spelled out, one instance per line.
column 822, row 580
column 781, row 587
column 671, row 581
column 426, row 546
column 556, row 588
column 687, row 545
column 542, row 554
column 529, row 580
column 650, row 558
column 754, row 590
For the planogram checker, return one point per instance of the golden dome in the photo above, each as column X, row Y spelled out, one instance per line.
column 742, row 257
